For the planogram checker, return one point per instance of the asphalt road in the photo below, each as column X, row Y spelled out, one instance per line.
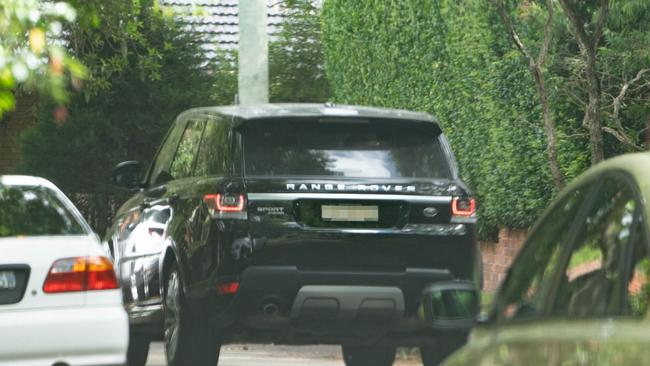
column 266, row 355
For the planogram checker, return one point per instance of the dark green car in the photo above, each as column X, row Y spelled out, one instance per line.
column 578, row 292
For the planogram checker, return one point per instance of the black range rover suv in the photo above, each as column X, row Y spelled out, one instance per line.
column 293, row 224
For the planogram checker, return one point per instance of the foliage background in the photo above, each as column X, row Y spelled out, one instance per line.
column 142, row 71
column 455, row 60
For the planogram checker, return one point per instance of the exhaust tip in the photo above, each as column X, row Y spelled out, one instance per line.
column 270, row 309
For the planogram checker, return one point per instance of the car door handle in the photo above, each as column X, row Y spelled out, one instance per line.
column 173, row 198
column 155, row 192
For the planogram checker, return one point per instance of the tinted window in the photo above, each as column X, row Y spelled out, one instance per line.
column 526, row 286
column 638, row 277
column 592, row 276
column 185, row 154
column 213, row 156
column 375, row 149
column 27, row 210
column 160, row 170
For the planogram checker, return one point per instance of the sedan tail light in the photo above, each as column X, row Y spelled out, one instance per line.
column 80, row 274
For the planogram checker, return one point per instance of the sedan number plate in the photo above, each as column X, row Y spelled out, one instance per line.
column 350, row 213
column 7, row 280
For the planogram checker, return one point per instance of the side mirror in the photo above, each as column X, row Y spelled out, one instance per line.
column 450, row 305
column 126, row 175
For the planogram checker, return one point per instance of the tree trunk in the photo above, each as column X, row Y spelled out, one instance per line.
column 588, row 48
column 549, row 127
column 535, row 66
column 593, row 115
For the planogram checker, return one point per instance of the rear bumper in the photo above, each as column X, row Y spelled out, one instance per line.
column 282, row 283
column 90, row 335
column 329, row 307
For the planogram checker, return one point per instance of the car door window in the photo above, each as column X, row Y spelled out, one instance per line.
column 638, row 277
column 213, row 157
column 183, row 164
column 524, row 290
column 160, row 170
column 591, row 279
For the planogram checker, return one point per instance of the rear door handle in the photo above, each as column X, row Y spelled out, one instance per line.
column 172, row 199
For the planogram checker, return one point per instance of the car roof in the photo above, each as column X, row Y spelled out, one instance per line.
column 636, row 164
column 287, row 110
column 26, row 180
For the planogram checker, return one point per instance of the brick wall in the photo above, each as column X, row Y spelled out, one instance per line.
column 11, row 126
column 497, row 257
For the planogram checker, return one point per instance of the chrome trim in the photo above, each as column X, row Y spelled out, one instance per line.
column 347, row 196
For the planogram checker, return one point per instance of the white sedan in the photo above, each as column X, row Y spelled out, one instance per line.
column 60, row 303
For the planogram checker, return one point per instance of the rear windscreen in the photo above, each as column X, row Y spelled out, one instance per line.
column 32, row 210
column 360, row 150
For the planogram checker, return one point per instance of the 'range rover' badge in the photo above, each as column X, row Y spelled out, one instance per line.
column 430, row 212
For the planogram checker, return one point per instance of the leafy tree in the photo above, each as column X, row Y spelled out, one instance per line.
column 296, row 59
column 134, row 94
column 610, row 71
column 31, row 55
column 458, row 61
column 536, row 64
column 452, row 60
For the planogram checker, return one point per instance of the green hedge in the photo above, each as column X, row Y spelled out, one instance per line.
column 452, row 60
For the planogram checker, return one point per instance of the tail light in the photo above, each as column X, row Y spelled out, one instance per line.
column 222, row 205
column 227, row 288
column 463, row 207
column 80, row 274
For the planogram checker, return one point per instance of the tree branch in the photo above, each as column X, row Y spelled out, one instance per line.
column 600, row 24
column 577, row 22
column 548, row 33
column 619, row 99
column 622, row 137
column 511, row 29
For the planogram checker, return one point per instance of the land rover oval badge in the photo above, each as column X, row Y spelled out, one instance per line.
column 430, row 212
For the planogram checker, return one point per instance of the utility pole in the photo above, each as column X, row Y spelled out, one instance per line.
column 253, row 53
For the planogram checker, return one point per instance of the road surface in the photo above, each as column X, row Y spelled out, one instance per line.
column 263, row 355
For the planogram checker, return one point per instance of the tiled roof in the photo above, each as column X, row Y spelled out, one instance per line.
column 217, row 22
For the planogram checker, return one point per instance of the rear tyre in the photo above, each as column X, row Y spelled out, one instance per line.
column 368, row 356
column 138, row 350
column 432, row 356
column 187, row 341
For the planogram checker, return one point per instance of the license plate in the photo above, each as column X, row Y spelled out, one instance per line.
column 7, row 280
column 350, row 213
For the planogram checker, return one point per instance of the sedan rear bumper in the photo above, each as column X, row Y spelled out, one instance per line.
column 90, row 335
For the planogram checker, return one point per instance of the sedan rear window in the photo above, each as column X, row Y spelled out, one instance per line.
column 34, row 210
column 344, row 149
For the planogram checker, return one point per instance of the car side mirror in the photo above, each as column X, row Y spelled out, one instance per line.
column 127, row 175
column 450, row 305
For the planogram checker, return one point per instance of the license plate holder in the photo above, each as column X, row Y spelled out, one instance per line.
column 7, row 280
column 350, row 213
